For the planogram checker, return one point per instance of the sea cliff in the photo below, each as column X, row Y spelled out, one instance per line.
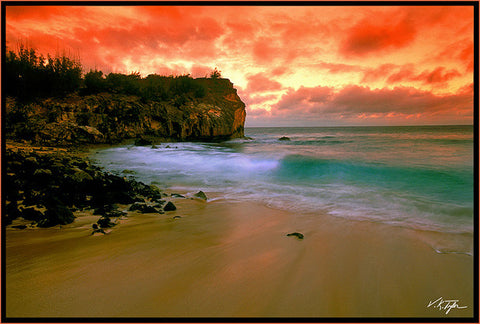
column 112, row 117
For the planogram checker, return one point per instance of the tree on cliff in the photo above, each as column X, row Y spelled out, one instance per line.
column 215, row 74
column 126, row 84
column 94, row 82
column 28, row 75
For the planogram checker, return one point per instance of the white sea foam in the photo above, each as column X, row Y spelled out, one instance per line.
column 358, row 173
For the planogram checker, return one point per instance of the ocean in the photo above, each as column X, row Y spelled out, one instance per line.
column 419, row 177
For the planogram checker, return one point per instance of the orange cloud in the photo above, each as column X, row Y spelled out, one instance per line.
column 397, row 74
column 264, row 51
column 366, row 37
column 304, row 98
column 338, row 67
column 353, row 102
column 259, row 83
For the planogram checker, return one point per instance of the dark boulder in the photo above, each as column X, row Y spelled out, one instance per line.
column 143, row 208
column 297, row 235
column 80, row 176
column 31, row 162
column 152, row 192
column 20, row 226
column 284, row 138
column 96, row 229
column 115, row 213
column 138, row 199
column 143, row 141
column 32, row 213
column 137, row 206
column 11, row 212
column 105, row 209
column 57, row 215
column 200, row 195
column 121, row 197
column 42, row 174
column 88, row 134
column 169, row 207
column 105, row 222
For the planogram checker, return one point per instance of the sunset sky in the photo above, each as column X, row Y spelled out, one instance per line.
column 292, row 66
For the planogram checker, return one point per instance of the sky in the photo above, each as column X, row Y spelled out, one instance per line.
column 292, row 65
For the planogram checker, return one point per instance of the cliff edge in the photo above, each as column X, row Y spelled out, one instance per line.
column 112, row 117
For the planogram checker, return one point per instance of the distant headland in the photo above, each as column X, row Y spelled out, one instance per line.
column 50, row 102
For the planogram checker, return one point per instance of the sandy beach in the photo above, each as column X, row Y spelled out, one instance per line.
column 231, row 259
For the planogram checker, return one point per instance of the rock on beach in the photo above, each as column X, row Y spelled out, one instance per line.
column 46, row 185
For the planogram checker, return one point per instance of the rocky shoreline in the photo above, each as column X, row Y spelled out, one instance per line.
column 45, row 186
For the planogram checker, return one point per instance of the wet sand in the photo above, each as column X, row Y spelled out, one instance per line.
column 231, row 259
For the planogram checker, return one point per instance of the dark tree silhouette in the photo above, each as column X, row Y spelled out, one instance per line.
column 215, row 74
column 29, row 76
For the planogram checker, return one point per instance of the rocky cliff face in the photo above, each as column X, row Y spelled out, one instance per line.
column 110, row 118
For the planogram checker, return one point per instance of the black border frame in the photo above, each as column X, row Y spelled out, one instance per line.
column 360, row 3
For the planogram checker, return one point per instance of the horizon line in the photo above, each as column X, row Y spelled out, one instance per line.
column 429, row 125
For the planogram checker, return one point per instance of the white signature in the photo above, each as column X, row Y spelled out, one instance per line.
column 445, row 305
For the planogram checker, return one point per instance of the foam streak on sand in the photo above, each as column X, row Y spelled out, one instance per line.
column 230, row 259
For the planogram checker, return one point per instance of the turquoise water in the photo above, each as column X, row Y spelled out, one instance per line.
column 418, row 177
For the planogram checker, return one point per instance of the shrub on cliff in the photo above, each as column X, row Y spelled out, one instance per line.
column 154, row 88
column 216, row 74
column 183, row 85
column 180, row 89
column 28, row 75
column 125, row 84
column 94, row 82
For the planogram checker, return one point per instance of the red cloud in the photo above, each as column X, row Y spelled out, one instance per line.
column 439, row 75
column 354, row 101
column 396, row 74
column 200, row 71
column 166, row 12
column 466, row 55
column 259, row 112
column 338, row 67
column 403, row 73
column 304, row 98
column 380, row 72
column 281, row 70
column 259, row 82
column 116, row 39
column 460, row 50
column 365, row 37
column 256, row 99
column 291, row 30
column 263, row 51
column 20, row 13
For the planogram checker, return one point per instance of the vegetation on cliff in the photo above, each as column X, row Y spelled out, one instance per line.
column 49, row 102
column 30, row 76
